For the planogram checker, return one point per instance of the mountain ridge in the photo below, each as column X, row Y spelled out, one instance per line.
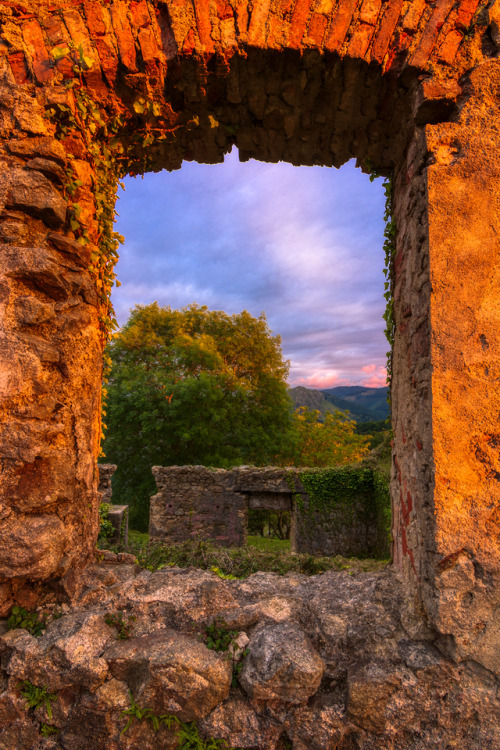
column 363, row 404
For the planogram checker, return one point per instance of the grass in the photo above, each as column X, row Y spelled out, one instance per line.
column 241, row 562
column 268, row 544
column 138, row 538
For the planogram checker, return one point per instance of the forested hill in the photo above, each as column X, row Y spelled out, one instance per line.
column 363, row 404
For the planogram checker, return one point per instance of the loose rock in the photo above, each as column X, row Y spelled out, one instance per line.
column 281, row 665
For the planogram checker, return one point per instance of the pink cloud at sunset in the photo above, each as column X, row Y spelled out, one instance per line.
column 321, row 380
column 377, row 376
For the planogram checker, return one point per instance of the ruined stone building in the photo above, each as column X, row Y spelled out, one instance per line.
column 90, row 91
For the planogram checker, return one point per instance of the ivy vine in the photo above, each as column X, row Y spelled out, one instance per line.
column 345, row 487
column 338, row 485
column 389, row 247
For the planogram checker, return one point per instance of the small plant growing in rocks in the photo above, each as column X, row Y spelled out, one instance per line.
column 187, row 733
column 123, row 627
column 224, row 576
column 33, row 622
column 47, row 729
column 106, row 528
column 146, row 714
column 219, row 638
column 36, row 696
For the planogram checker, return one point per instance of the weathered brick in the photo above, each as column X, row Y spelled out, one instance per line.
column 108, row 57
column 124, row 38
column 40, row 59
column 369, row 11
column 413, row 14
column 95, row 19
column 162, row 26
column 204, row 25
column 56, row 33
column 242, row 18
column 430, row 33
column 448, row 48
column 149, row 48
column 19, row 67
column 360, row 41
column 465, row 13
column 224, row 10
column 299, row 22
column 78, row 31
column 258, row 19
column 385, row 31
column 340, row 24
column 139, row 14
column 316, row 31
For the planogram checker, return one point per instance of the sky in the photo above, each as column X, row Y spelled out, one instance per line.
column 302, row 244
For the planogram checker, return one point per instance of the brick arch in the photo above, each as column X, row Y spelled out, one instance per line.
column 409, row 88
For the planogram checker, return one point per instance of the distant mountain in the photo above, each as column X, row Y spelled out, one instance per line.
column 363, row 404
column 311, row 399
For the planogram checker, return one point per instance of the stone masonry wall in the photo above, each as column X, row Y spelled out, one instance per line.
column 106, row 472
column 194, row 502
column 347, row 529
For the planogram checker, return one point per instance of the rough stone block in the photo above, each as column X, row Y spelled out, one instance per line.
column 118, row 515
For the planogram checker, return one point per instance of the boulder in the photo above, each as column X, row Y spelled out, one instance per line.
column 67, row 654
column 184, row 597
column 171, row 673
column 369, row 689
column 281, row 665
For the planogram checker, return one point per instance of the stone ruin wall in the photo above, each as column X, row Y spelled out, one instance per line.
column 117, row 514
column 195, row 502
column 410, row 88
column 105, row 489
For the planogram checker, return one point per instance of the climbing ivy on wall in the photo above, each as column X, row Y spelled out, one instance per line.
column 348, row 487
column 116, row 144
column 96, row 129
column 328, row 487
column 389, row 255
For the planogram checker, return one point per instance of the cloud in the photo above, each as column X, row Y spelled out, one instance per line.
column 378, row 376
column 321, row 380
column 302, row 244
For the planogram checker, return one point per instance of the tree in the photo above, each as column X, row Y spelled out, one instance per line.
column 330, row 442
column 192, row 386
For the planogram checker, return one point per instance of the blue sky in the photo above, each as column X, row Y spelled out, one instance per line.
column 302, row 244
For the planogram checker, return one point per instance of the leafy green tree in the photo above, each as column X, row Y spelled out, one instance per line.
column 192, row 386
column 330, row 442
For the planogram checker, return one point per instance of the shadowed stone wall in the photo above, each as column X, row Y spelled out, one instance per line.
column 405, row 87
column 194, row 502
column 106, row 472
column 117, row 514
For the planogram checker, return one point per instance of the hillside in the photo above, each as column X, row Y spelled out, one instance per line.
column 311, row 399
column 363, row 404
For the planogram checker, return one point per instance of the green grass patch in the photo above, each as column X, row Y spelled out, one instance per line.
column 240, row 562
column 268, row 544
column 138, row 538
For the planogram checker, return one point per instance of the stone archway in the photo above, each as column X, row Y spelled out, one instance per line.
column 407, row 88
